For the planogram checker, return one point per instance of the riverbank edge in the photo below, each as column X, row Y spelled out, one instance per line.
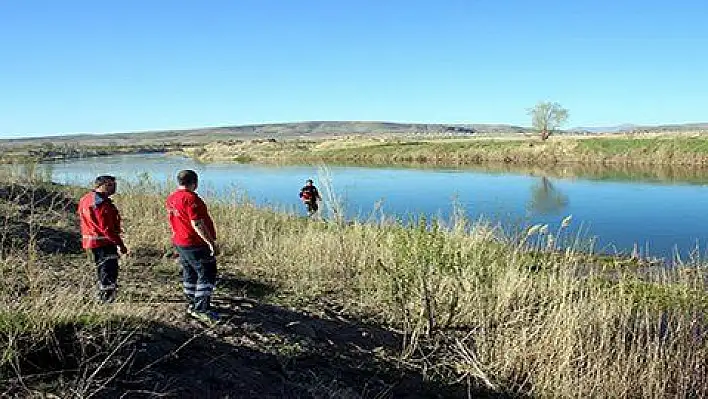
column 615, row 151
column 679, row 149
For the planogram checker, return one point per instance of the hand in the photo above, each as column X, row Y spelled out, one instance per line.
column 214, row 248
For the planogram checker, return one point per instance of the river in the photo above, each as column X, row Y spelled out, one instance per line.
column 611, row 212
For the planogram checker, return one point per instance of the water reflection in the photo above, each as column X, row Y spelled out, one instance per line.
column 605, row 172
column 688, row 174
column 546, row 199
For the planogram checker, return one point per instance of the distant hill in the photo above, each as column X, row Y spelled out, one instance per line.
column 628, row 127
column 319, row 129
column 606, row 129
column 276, row 130
column 674, row 127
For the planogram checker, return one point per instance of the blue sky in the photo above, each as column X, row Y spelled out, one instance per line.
column 99, row 66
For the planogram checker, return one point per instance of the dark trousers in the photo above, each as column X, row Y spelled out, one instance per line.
column 198, row 275
column 106, row 259
column 312, row 206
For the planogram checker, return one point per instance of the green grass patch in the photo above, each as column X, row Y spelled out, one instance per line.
column 677, row 297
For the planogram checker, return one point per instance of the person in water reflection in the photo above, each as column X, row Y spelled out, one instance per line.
column 309, row 196
column 194, row 237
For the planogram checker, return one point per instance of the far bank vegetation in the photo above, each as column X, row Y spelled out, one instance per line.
column 48, row 151
column 626, row 149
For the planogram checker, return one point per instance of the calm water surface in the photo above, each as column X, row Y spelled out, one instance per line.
column 660, row 218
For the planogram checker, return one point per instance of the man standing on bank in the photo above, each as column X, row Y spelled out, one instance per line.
column 100, row 234
column 194, row 237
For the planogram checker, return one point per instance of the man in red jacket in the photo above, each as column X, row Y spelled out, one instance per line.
column 100, row 234
column 194, row 237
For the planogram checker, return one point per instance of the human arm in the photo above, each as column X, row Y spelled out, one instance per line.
column 107, row 220
column 201, row 229
column 201, row 223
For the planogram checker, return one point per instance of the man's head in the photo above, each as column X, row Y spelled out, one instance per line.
column 308, row 182
column 105, row 184
column 188, row 178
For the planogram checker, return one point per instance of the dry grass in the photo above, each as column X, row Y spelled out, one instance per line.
column 649, row 149
column 472, row 303
column 534, row 324
column 49, row 325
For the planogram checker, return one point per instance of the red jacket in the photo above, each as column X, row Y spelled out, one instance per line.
column 100, row 221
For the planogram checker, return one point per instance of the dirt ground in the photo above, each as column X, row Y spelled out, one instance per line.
column 266, row 350
column 260, row 350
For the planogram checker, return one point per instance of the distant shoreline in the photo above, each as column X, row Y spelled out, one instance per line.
column 330, row 129
column 646, row 150
column 679, row 149
column 59, row 153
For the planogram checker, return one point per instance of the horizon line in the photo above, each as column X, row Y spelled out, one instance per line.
column 160, row 130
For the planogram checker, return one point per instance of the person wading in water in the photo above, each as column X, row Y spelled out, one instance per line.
column 309, row 196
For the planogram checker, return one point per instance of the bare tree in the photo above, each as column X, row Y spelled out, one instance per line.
column 547, row 117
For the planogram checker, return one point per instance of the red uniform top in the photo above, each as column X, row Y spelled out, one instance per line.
column 183, row 206
column 100, row 221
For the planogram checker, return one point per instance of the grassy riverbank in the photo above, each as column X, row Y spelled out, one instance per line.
column 24, row 154
column 665, row 149
column 333, row 310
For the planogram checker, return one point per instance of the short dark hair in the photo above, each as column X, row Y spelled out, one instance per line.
column 101, row 180
column 187, row 177
column 309, row 181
